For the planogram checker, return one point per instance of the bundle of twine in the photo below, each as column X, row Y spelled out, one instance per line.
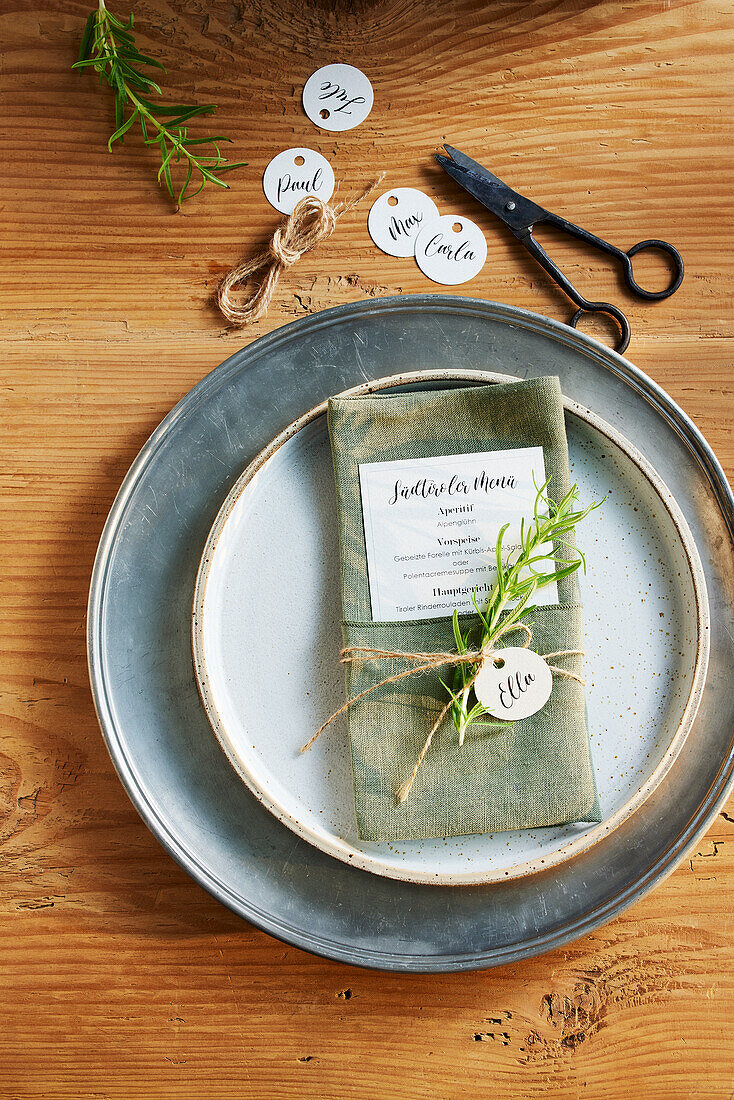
column 312, row 220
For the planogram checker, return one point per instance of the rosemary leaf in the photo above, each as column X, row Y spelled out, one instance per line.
column 86, row 43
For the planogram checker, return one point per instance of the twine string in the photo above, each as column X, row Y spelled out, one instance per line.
column 312, row 221
column 425, row 662
column 404, row 789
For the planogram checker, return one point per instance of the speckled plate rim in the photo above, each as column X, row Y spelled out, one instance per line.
column 336, row 846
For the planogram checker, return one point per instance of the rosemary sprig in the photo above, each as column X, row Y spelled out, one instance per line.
column 108, row 47
column 534, row 564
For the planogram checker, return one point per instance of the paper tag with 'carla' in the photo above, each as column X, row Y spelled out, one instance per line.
column 451, row 250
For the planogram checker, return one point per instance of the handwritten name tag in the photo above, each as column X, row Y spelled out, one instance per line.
column 451, row 250
column 397, row 217
column 514, row 683
column 295, row 173
column 337, row 97
column 431, row 527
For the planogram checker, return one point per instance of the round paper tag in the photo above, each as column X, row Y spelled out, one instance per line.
column 451, row 250
column 397, row 217
column 513, row 683
column 295, row 173
column 337, row 97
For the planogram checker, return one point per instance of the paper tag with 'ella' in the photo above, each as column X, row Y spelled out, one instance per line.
column 513, row 683
column 337, row 97
column 295, row 173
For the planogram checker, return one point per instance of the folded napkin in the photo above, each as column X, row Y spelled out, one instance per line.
column 531, row 773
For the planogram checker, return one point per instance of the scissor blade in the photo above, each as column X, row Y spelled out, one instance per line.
column 517, row 212
column 464, row 161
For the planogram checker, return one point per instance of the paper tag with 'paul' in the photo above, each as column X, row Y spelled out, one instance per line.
column 451, row 250
column 295, row 173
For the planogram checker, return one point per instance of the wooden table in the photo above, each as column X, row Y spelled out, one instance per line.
column 120, row 977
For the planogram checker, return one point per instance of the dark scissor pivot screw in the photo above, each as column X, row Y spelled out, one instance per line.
column 509, row 206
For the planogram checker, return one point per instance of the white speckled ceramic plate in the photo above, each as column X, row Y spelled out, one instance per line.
column 266, row 638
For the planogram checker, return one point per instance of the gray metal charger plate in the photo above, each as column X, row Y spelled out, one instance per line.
column 142, row 673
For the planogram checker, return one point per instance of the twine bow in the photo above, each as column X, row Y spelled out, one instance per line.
column 424, row 662
column 311, row 221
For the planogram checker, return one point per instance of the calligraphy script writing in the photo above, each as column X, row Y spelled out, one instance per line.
column 438, row 246
column 339, row 95
column 425, row 488
column 514, row 688
column 402, row 226
column 286, row 183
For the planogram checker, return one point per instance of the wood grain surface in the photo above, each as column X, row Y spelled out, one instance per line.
column 120, row 977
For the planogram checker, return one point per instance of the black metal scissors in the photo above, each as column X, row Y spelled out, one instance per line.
column 520, row 215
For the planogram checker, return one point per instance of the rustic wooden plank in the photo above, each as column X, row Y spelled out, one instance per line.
column 120, row 977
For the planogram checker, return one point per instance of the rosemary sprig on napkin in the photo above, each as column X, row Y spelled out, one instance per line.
column 532, row 566
column 108, row 47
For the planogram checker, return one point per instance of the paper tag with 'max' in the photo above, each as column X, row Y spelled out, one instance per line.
column 397, row 217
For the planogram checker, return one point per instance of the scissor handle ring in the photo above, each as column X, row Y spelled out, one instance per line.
column 677, row 279
column 612, row 311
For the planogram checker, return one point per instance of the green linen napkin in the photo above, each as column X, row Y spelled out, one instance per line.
column 535, row 772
